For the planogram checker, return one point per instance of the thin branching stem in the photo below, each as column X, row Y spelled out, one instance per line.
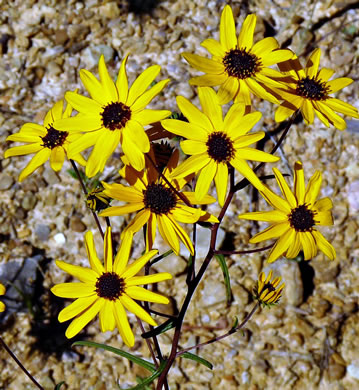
column 214, row 339
column 84, row 189
column 17, row 361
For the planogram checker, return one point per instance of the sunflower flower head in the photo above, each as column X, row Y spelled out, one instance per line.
column 108, row 289
column 295, row 217
column 156, row 200
column 238, row 66
column 97, row 200
column 46, row 141
column 114, row 114
column 215, row 143
column 266, row 292
column 309, row 90
column 2, row 292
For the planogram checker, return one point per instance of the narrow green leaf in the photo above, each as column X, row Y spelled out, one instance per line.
column 148, row 380
column 227, row 281
column 161, row 257
column 196, row 358
column 235, row 324
column 169, row 324
column 57, row 387
column 135, row 359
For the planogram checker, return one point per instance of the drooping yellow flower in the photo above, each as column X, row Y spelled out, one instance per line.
column 237, row 66
column 267, row 292
column 2, row 292
column 157, row 204
column 96, row 200
column 295, row 217
column 46, row 141
column 308, row 89
column 215, row 143
column 108, row 289
column 114, row 114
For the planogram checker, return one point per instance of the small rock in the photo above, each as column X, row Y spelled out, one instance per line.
column 50, row 176
column 42, row 232
column 6, row 181
column 77, row 225
column 61, row 37
column 29, row 201
column 91, row 55
column 353, row 371
column 59, row 238
column 336, row 371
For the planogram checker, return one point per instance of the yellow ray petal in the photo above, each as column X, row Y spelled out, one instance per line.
column 313, row 63
column 342, row 107
column 184, row 129
column 151, row 230
column 182, row 235
column 252, row 154
column 334, row 118
column 205, row 179
column 309, row 245
column 299, row 184
column 244, row 169
column 168, row 233
column 286, row 191
column 94, row 87
column 74, row 290
column 123, row 324
column 323, row 218
column 221, row 182
column 214, row 47
column 307, row 111
column 192, row 164
column 246, row 140
column 82, row 104
column 245, row 38
column 185, row 214
column 122, row 82
column 275, row 216
column 137, row 223
column 146, row 117
column 211, row 107
column 137, row 134
column 270, row 232
column 133, row 153
column 227, row 29
column 123, row 253
column 141, row 294
column 83, row 274
column 107, row 317
column 142, row 82
column 57, row 158
column 338, row 84
column 203, row 64
column 241, row 125
column 88, row 122
column 325, row 74
column 76, row 307
column 281, row 245
column 259, row 91
column 193, row 147
column 107, row 252
column 109, row 89
column 85, row 141
column 276, row 201
column 138, row 264
column 136, row 309
column 264, row 46
column 236, row 111
column 228, row 90
column 148, row 279
column 324, row 245
column 40, row 158
column 81, row 321
column 94, row 261
column 25, row 137
column 324, row 204
column 22, row 150
column 193, row 114
column 143, row 100
column 313, row 188
column 269, row 59
column 294, row 247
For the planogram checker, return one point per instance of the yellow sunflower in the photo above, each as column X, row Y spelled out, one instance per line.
column 237, row 66
column 114, row 114
column 308, row 90
column 2, row 292
column 216, row 143
column 46, row 141
column 108, row 289
column 156, row 203
column 267, row 292
column 295, row 217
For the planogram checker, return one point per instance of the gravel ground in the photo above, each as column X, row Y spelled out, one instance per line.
column 310, row 340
